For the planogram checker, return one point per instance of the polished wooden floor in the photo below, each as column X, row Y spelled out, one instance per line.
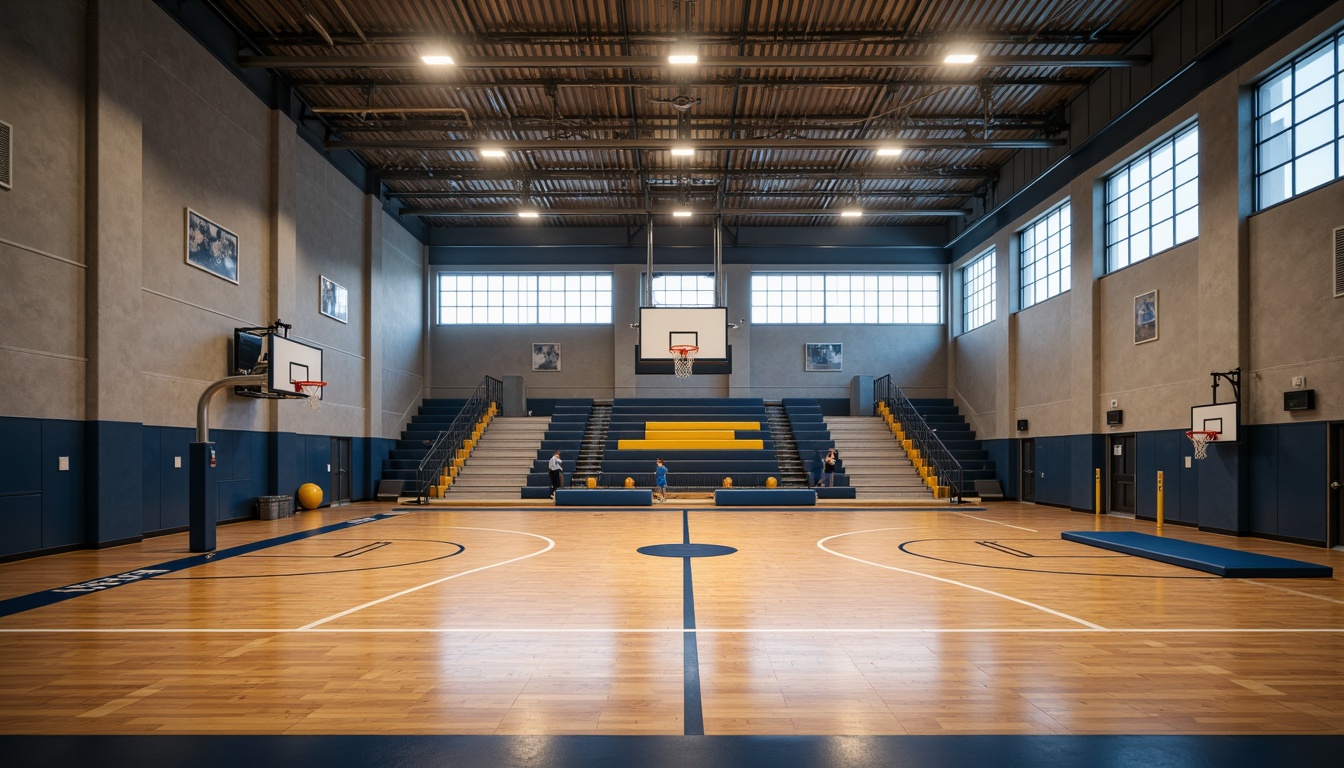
column 947, row 620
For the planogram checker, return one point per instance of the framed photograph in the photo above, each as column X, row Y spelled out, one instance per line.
column 1145, row 317
column 546, row 357
column 333, row 300
column 823, row 357
column 211, row 247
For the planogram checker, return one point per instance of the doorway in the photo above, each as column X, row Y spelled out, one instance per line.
column 1335, row 489
column 1027, row 457
column 340, row 470
column 1123, row 474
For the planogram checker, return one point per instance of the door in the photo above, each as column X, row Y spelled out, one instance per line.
column 340, row 470
column 1123, row 474
column 1336, row 487
column 1028, row 476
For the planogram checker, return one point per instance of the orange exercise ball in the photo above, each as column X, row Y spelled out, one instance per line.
column 591, row 482
column 771, row 482
column 310, row 495
column 727, row 482
column 629, row 482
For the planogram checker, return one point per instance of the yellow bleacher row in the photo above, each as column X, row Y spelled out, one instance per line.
column 694, row 436
column 672, row 443
column 684, row 426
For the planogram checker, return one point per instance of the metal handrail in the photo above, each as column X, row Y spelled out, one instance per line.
column 452, row 439
column 946, row 468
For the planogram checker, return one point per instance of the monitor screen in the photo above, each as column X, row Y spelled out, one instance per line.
column 246, row 351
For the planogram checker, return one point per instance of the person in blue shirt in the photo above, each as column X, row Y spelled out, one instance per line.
column 660, row 480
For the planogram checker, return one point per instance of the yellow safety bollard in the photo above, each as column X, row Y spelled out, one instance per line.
column 1159, row 504
column 1098, row 504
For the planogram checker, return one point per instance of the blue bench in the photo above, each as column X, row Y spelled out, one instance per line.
column 838, row 492
column 536, row 492
column 604, row 497
column 765, row 497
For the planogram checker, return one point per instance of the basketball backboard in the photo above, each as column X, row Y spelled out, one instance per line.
column 1218, row 417
column 662, row 327
column 291, row 361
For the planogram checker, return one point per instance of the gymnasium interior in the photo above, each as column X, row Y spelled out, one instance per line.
column 306, row 296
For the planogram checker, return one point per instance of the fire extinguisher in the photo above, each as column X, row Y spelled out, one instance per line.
column 213, row 461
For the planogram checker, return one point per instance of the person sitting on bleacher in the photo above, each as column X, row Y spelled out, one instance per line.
column 828, row 470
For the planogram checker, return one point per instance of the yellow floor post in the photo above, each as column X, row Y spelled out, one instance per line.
column 1098, row 504
column 1159, row 504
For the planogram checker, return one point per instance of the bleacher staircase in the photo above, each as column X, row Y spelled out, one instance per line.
column 501, row 460
column 434, row 417
column 589, row 463
column 792, row 473
column 875, row 462
column 942, row 415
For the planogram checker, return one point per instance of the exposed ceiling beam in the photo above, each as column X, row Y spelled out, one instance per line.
column 669, row 190
column 468, row 174
column 699, row 144
column 438, row 80
column 547, row 212
column 706, row 62
column 704, row 123
column 782, row 37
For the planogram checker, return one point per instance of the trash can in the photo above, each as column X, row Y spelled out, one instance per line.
column 274, row 507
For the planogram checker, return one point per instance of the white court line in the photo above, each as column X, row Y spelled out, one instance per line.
column 678, row 631
column 550, row 544
column 1294, row 591
column 996, row 522
column 822, row 546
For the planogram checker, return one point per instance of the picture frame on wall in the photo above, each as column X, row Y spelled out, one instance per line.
column 545, row 356
column 211, row 247
column 1145, row 317
column 824, row 356
column 333, row 300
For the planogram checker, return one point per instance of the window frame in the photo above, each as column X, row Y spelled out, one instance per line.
column 1177, row 195
column 814, row 298
column 708, row 291
column 1061, row 250
column 1284, row 141
column 527, row 298
column 986, row 287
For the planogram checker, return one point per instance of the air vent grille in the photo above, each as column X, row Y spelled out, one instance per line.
column 1339, row 262
column 6, row 153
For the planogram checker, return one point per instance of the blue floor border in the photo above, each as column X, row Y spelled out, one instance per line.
column 163, row 751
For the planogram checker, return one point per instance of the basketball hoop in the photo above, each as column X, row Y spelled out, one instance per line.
column 1201, row 440
column 683, row 357
column 313, row 392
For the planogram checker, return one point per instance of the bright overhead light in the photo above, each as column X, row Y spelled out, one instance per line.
column 683, row 151
column 960, row 58
column 492, row 152
column 683, row 54
column 681, row 214
column 437, row 59
column 851, row 213
column 889, row 151
column 528, row 214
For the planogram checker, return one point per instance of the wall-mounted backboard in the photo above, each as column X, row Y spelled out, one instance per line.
column 291, row 361
column 1219, row 417
column 704, row 327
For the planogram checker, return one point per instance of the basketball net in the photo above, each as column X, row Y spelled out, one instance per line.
column 312, row 390
column 1201, row 442
column 683, row 357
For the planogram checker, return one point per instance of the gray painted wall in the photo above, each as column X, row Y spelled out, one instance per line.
column 111, row 323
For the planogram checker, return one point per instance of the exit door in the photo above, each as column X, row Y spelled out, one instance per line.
column 340, row 470
column 1028, row 479
column 1123, row 474
column 1336, row 486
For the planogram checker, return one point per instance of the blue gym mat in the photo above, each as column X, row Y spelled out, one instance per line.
column 1201, row 557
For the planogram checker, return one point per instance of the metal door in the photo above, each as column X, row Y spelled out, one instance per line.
column 1028, row 478
column 340, row 470
column 1123, row 475
column 1336, row 488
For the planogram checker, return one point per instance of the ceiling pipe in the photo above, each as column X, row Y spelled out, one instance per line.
column 545, row 212
column 542, row 174
column 700, row 144
column 598, row 81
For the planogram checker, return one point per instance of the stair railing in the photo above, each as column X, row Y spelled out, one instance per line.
column 454, row 438
column 947, row 471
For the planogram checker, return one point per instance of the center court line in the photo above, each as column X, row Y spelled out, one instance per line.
column 550, row 544
column 996, row 522
column 822, row 546
column 680, row 631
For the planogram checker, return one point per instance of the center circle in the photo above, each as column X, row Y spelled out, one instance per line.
column 686, row 550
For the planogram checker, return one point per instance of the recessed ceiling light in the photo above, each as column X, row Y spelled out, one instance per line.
column 851, row 213
column 683, row 54
column 681, row 214
column 683, row 151
column 437, row 59
column 889, row 151
column 492, row 152
column 960, row 58
column 528, row 214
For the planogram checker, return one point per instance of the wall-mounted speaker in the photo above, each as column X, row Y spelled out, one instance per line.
column 1115, row 417
column 1021, row 425
column 1299, row 400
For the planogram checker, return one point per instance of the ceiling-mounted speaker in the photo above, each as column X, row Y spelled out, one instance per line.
column 6, row 155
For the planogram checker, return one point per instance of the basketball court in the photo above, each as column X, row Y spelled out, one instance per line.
column 891, row 621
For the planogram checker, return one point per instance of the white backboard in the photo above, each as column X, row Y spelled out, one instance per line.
column 1220, row 418
column 291, row 361
column 661, row 327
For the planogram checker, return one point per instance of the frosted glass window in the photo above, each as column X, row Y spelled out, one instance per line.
column 683, row 290
column 977, row 292
column 862, row 299
column 1152, row 202
column 1299, row 125
column 1044, row 247
column 522, row 299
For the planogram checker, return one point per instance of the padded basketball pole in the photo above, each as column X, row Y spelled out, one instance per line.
column 203, row 501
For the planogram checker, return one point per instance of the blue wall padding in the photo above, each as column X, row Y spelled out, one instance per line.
column 1220, row 561
column 838, row 492
column 765, row 497
column 604, row 497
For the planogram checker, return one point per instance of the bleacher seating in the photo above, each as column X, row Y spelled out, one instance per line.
column 812, row 437
column 433, row 417
column 942, row 415
column 569, row 421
